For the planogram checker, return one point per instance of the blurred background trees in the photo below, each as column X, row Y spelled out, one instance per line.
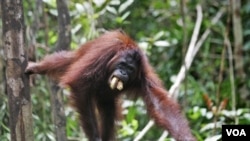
column 214, row 92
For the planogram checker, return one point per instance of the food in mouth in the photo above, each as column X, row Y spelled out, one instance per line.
column 116, row 83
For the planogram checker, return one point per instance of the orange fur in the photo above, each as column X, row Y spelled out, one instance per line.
column 86, row 72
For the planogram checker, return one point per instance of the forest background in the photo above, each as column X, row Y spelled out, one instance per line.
column 216, row 88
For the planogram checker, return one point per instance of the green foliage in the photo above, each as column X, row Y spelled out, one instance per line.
column 43, row 127
column 4, row 115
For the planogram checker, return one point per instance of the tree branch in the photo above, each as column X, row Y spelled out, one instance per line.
column 192, row 51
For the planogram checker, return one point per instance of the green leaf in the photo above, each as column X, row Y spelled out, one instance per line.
column 125, row 5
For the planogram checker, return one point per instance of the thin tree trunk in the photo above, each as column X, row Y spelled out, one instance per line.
column 17, row 82
column 63, row 43
column 64, row 29
column 238, row 48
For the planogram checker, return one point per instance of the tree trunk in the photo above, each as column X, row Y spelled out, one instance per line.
column 63, row 43
column 17, row 82
column 238, row 48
